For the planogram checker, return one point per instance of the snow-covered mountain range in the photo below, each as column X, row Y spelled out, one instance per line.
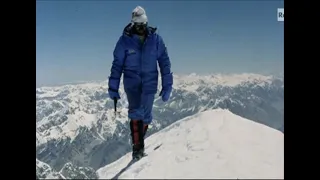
column 215, row 144
column 68, row 171
column 76, row 125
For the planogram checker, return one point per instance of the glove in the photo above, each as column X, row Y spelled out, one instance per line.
column 113, row 94
column 165, row 93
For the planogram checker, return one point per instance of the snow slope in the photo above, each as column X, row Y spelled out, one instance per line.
column 211, row 144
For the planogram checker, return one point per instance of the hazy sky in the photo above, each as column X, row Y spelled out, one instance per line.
column 75, row 39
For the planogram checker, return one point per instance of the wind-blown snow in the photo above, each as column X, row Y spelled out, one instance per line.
column 211, row 144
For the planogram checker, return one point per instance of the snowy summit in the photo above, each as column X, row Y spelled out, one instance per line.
column 211, row 144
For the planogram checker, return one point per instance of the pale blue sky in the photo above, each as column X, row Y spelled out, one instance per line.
column 75, row 39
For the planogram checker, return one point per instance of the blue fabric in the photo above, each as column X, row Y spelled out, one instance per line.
column 140, row 106
column 138, row 63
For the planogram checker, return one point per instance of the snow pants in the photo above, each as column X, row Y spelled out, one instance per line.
column 140, row 106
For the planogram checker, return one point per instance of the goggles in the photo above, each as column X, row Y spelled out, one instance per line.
column 140, row 24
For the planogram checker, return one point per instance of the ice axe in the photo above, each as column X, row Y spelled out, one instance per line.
column 115, row 101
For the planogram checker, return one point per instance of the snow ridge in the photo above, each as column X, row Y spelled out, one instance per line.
column 212, row 144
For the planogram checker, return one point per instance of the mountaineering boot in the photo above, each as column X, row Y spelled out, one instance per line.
column 137, row 132
column 136, row 152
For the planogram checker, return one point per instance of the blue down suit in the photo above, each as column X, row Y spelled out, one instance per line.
column 138, row 61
